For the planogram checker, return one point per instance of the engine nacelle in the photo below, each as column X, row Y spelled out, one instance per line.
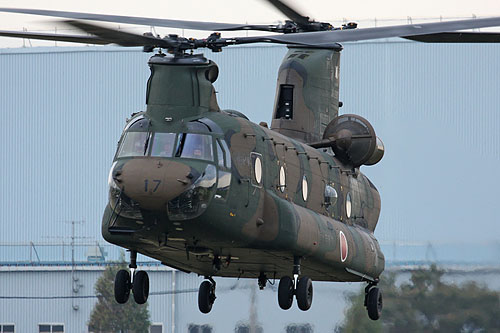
column 353, row 140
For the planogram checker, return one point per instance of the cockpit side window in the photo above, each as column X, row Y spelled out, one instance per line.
column 163, row 144
column 198, row 146
column 223, row 155
column 227, row 154
column 220, row 154
column 224, row 173
column 134, row 144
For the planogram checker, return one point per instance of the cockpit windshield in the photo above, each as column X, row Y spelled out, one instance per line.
column 134, row 144
column 183, row 145
column 163, row 144
column 198, row 146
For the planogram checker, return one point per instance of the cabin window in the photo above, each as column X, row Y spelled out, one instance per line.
column 197, row 146
column 348, row 205
column 163, row 144
column 257, row 168
column 330, row 196
column 282, row 179
column 134, row 144
column 305, row 188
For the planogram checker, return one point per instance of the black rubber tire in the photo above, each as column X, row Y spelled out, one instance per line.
column 140, row 287
column 122, row 286
column 304, row 293
column 285, row 293
column 205, row 297
column 374, row 303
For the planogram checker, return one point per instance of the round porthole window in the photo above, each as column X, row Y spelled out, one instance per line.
column 348, row 205
column 258, row 169
column 330, row 196
column 305, row 188
column 282, row 179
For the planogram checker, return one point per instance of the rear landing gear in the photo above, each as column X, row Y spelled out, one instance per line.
column 373, row 301
column 206, row 295
column 124, row 283
column 302, row 289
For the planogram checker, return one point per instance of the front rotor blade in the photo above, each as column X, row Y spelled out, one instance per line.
column 290, row 12
column 328, row 37
column 194, row 25
column 458, row 37
column 55, row 37
column 118, row 37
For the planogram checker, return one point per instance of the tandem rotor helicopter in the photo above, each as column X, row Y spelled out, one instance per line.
column 205, row 190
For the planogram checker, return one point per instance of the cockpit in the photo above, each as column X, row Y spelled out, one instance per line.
column 183, row 145
column 197, row 169
column 195, row 143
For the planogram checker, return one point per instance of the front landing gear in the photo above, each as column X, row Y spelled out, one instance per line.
column 206, row 295
column 373, row 301
column 124, row 283
column 302, row 289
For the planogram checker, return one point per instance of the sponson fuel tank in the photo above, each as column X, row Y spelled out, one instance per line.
column 307, row 92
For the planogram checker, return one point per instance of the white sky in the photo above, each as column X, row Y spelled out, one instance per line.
column 243, row 11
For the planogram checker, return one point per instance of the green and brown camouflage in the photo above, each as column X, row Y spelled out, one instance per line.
column 259, row 196
column 307, row 93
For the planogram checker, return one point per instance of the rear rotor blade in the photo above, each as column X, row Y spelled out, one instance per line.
column 195, row 25
column 328, row 37
column 458, row 37
column 55, row 37
column 290, row 12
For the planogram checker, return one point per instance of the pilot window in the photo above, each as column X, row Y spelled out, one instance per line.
column 223, row 155
column 198, row 146
column 163, row 144
column 134, row 144
column 220, row 154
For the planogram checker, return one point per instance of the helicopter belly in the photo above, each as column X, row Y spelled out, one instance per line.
column 332, row 250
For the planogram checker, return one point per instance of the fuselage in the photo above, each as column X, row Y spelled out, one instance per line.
column 218, row 185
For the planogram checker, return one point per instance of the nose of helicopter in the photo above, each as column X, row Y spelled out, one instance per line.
column 152, row 183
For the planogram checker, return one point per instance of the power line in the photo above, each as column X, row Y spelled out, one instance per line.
column 156, row 293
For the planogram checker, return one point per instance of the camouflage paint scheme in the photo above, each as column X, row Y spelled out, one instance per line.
column 256, row 226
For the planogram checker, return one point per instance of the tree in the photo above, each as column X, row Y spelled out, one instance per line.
column 426, row 304
column 109, row 316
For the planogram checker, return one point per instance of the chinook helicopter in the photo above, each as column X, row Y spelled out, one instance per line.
column 205, row 190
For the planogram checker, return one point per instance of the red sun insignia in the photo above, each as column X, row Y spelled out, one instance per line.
column 343, row 247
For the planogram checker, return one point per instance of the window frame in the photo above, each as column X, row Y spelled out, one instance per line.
column 156, row 324
column 7, row 324
column 51, row 326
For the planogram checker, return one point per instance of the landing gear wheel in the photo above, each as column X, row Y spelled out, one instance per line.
column 304, row 293
column 285, row 293
column 140, row 287
column 122, row 286
column 374, row 303
column 206, row 296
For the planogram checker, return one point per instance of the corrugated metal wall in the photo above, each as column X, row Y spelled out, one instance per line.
column 434, row 106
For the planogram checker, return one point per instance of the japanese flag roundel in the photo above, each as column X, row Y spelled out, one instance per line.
column 343, row 247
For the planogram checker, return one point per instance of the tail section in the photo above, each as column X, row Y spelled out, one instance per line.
column 307, row 93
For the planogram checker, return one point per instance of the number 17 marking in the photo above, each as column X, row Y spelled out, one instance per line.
column 146, row 182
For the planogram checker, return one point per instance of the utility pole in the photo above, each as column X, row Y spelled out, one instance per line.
column 75, row 286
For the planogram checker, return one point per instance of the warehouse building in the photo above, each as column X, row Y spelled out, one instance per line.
column 63, row 109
